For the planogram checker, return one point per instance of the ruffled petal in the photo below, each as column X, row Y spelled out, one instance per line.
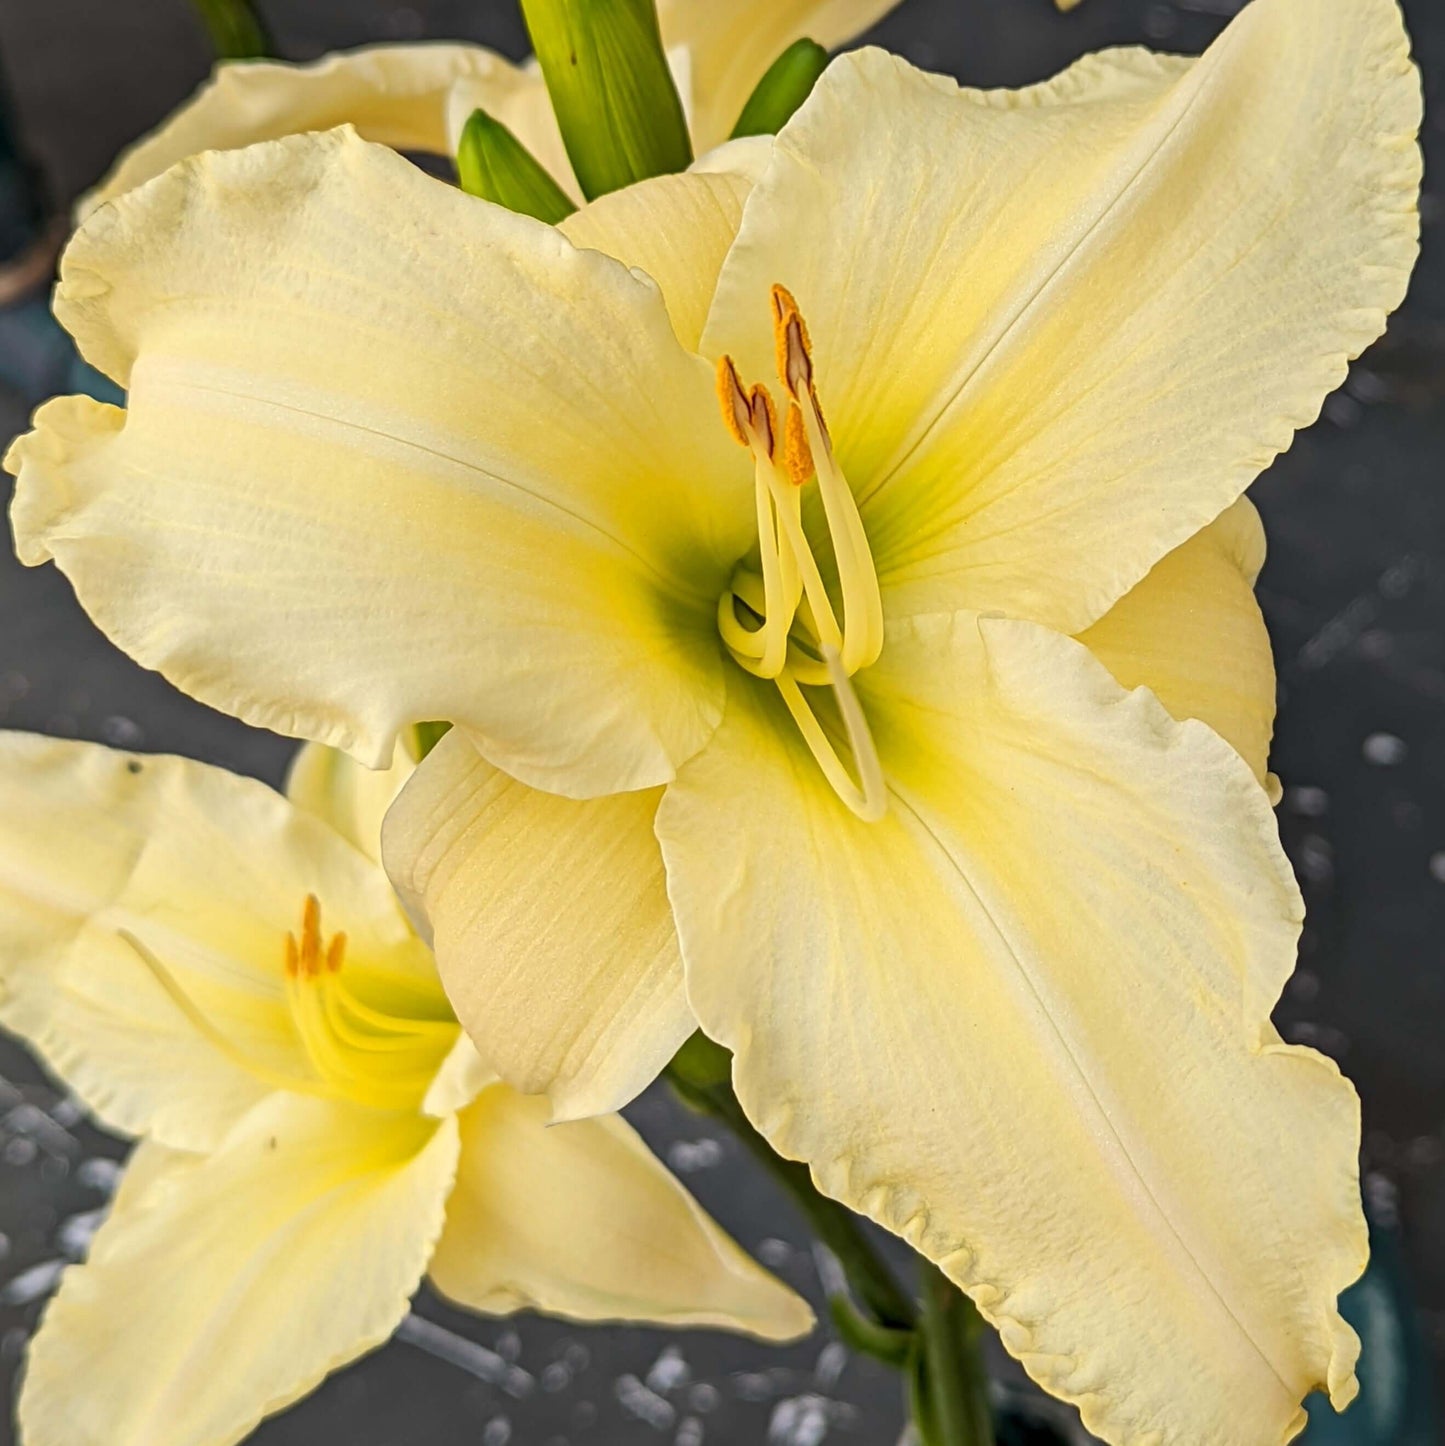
column 1023, row 1021
column 1193, row 632
column 1058, row 331
column 230, row 1285
column 208, row 872
column 397, row 95
column 551, row 926
column 582, row 1220
column 404, row 455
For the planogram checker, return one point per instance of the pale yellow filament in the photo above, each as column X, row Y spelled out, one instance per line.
column 799, row 641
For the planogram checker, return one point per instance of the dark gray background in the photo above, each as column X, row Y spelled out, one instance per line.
column 1353, row 592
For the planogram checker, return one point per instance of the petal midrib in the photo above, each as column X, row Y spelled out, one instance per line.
column 683, row 589
column 1037, row 292
column 1070, row 1057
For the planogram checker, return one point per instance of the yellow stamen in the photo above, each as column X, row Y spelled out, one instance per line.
column 208, row 1031
column 793, row 597
column 355, row 1051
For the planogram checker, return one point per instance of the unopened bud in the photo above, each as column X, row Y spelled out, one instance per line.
column 788, row 82
column 613, row 94
column 493, row 164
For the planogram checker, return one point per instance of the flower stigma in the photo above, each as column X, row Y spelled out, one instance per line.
column 355, row 1050
column 779, row 622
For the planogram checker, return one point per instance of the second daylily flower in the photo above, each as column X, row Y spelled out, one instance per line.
column 994, row 940
column 418, row 97
column 227, row 974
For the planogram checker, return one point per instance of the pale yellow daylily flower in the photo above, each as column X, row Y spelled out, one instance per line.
column 228, row 975
column 418, row 97
column 994, row 940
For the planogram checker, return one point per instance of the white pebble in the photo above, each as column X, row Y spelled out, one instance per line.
column 31, row 1284
column 1384, row 750
column 646, row 1405
column 669, row 1372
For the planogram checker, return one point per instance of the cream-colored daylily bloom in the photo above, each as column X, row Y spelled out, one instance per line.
column 994, row 940
column 418, row 97
column 228, row 975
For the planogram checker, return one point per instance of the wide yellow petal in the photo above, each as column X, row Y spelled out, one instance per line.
column 551, row 926
column 341, row 792
column 209, row 872
column 228, row 1287
column 675, row 228
column 582, row 1220
column 395, row 94
column 1058, row 331
column 730, row 46
column 1192, row 631
column 1024, row 1022
column 391, row 454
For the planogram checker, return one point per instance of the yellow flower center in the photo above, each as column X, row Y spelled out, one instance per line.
column 355, row 1050
column 779, row 622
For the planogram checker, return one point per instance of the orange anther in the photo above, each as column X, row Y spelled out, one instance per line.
column 335, row 952
column 293, row 957
column 733, row 399
column 797, row 454
column 311, row 936
column 764, row 417
column 792, row 346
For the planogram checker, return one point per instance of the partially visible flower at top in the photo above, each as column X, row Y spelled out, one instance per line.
column 945, row 694
column 418, row 97
column 228, row 974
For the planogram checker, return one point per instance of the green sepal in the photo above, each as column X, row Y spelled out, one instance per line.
column 235, row 29
column 613, row 94
column 493, row 164
column 701, row 1065
column 426, row 736
column 788, row 82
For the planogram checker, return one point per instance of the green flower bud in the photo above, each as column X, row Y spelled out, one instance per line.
column 494, row 164
column 788, row 82
column 616, row 104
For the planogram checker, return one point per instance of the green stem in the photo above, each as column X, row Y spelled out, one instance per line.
column 834, row 1225
column 951, row 1390
column 939, row 1345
